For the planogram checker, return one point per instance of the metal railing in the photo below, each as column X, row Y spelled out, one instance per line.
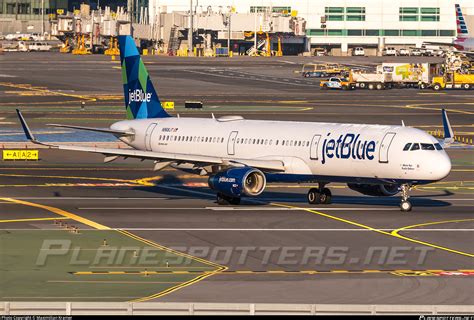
column 181, row 308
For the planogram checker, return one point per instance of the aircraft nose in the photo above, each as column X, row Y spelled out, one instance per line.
column 442, row 166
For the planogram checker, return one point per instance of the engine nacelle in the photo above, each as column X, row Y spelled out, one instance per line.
column 236, row 182
column 377, row 190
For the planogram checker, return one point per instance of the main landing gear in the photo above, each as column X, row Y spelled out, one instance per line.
column 319, row 195
column 222, row 199
column 405, row 205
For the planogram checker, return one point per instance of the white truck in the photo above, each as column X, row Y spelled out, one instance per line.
column 371, row 81
column 411, row 74
column 401, row 75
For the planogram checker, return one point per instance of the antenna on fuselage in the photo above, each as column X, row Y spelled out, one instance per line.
column 213, row 117
column 403, row 123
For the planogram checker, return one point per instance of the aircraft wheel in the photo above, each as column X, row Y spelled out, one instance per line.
column 325, row 196
column 313, row 196
column 405, row 206
column 222, row 199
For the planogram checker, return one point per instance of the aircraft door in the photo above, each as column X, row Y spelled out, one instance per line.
column 148, row 134
column 231, row 143
column 384, row 147
column 313, row 148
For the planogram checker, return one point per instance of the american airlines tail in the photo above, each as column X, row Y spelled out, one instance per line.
column 461, row 23
column 141, row 99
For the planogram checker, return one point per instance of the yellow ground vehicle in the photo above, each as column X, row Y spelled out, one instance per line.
column 322, row 70
column 453, row 80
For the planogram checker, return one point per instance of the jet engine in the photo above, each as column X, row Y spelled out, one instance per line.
column 377, row 190
column 236, row 182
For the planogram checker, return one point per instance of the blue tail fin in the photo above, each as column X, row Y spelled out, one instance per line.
column 448, row 130
column 141, row 99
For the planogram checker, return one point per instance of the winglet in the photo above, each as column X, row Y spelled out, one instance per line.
column 26, row 129
column 448, row 130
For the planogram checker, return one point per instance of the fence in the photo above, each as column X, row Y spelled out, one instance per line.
column 177, row 308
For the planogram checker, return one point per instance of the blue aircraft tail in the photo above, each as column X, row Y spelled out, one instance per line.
column 141, row 99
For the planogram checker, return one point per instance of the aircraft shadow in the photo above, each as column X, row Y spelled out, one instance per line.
column 170, row 185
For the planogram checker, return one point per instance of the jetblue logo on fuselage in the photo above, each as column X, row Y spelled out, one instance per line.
column 347, row 146
column 138, row 95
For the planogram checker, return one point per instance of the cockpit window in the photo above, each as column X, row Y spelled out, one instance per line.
column 438, row 146
column 427, row 146
column 415, row 146
column 407, row 147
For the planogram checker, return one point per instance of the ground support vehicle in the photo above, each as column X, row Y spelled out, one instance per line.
column 453, row 80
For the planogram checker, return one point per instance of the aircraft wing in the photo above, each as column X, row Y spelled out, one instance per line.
column 115, row 132
column 111, row 154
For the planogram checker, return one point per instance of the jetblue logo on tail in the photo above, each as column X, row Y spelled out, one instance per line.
column 138, row 95
column 141, row 98
column 347, row 146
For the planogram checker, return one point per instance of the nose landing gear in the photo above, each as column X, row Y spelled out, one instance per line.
column 405, row 205
column 319, row 195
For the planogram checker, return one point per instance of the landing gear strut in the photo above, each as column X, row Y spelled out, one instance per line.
column 319, row 195
column 222, row 199
column 405, row 205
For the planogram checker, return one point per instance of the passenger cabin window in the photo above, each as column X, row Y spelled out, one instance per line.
column 415, row 146
column 427, row 146
column 407, row 147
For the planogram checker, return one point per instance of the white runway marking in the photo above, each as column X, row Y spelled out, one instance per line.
column 284, row 229
column 86, row 198
column 239, row 208
column 295, row 209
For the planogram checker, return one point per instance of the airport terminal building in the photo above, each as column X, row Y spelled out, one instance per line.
column 344, row 24
column 337, row 26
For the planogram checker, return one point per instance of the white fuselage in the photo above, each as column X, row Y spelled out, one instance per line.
column 324, row 151
column 466, row 44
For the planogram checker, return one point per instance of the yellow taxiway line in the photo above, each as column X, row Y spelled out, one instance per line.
column 32, row 219
column 219, row 268
column 272, row 272
column 390, row 234
column 60, row 212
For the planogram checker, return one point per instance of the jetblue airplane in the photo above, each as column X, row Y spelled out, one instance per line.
column 241, row 156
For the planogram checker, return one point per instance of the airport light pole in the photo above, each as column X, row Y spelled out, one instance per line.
column 228, row 33
column 42, row 18
column 190, row 31
column 255, row 34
